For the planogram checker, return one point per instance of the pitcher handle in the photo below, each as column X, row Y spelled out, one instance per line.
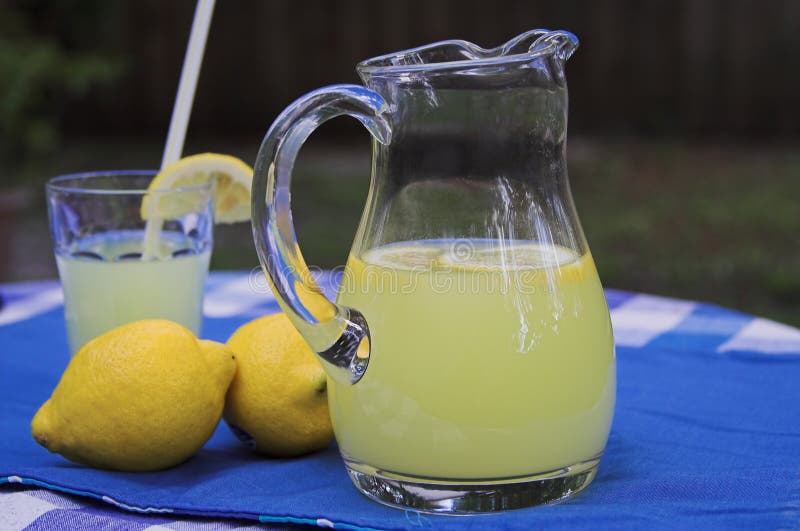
column 339, row 335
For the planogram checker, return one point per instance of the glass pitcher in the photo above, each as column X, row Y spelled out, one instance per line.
column 469, row 351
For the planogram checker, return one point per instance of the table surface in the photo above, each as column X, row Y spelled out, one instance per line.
column 706, row 430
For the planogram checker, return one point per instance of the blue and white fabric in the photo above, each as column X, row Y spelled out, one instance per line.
column 706, row 434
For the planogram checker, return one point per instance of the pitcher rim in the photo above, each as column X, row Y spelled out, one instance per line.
column 543, row 42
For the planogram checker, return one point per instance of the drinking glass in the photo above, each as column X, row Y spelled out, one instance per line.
column 116, row 266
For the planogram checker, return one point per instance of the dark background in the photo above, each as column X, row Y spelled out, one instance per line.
column 684, row 121
column 726, row 68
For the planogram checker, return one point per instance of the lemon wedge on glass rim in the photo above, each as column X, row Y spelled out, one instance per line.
column 230, row 177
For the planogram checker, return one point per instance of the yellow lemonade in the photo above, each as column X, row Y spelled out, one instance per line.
column 107, row 284
column 488, row 360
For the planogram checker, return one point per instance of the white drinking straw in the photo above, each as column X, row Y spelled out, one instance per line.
column 188, row 83
column 182, row 109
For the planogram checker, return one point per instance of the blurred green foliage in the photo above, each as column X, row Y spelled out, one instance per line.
column 48, row 57
column 701, row 221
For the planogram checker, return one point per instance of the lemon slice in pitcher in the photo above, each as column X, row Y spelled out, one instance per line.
column 509, row 256
column 421, row 256
column 231, row 179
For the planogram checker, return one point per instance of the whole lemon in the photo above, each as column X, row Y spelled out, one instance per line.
column 278, row 400
column 143, row 396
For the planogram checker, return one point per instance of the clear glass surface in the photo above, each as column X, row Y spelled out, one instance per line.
column 99, row 238
column 470, row 347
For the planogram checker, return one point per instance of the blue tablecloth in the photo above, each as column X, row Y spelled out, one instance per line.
column 706, row 434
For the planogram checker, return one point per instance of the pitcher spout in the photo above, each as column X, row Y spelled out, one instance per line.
column 457, row 55
column 559, row 43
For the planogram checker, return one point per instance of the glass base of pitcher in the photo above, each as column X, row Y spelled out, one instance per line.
column 461, row 497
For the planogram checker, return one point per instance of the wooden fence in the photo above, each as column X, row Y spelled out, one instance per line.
column 719, row 67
